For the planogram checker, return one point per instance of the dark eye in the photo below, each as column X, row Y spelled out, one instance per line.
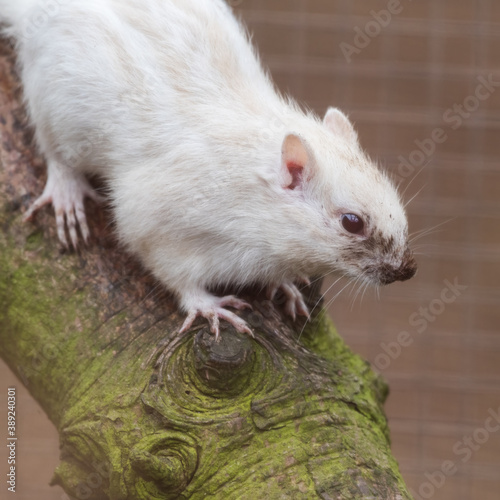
column 352, row 223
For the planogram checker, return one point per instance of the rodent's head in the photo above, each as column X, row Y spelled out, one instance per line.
column 363, row 222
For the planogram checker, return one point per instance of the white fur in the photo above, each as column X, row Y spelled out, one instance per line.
column 168, row 102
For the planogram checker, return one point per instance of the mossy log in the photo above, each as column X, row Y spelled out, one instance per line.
column 146, row 413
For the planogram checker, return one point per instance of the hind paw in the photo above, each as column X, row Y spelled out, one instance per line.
column 213, row 309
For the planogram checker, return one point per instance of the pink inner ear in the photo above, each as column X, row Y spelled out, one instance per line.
column 296, row 172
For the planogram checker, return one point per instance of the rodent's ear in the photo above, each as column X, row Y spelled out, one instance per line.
column 339, row 125
column 295, row 157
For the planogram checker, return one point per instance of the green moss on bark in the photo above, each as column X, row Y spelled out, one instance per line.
column 141, row 419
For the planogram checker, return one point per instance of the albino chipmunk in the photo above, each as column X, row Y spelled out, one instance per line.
column 214, row 177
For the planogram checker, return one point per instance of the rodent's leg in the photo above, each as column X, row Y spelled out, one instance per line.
column 66, row 189
column 198, row 302
column 295, row 303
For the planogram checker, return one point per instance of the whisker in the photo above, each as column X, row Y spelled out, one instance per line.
column 350, row 282
column 331, row 301
column 367, row 286
column 424, row 235
column 360, row 287
column 318, row 278
column 429, row 249
column 319, row 301
column 326, row 291
column 354, row 283
column 433, row 227
column 414, row 177
column 415, row 195
column 426, row 232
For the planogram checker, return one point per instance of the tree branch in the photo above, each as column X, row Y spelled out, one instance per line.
column 146, row 413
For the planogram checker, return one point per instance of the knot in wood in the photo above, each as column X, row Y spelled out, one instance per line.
column 224, row 364
column 165, row 464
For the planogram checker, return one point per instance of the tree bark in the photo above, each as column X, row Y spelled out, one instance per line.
column 146, row 413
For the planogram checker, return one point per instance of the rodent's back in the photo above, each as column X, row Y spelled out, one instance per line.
column 126, row 81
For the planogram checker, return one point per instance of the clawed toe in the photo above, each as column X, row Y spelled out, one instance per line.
column 235, row 302
column 234, row 320
column 38, row 203
column 188, row 322
column 71, row 220
column 294, row 301
column 215, row 312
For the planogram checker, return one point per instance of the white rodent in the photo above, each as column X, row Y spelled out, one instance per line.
column 214, row 177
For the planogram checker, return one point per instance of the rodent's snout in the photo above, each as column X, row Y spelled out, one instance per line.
column 404, row 272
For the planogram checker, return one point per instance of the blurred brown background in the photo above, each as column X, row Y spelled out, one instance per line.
column 421, row 80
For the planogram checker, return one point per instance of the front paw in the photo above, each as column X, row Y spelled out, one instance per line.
column 66, row 191
column 294, row 301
